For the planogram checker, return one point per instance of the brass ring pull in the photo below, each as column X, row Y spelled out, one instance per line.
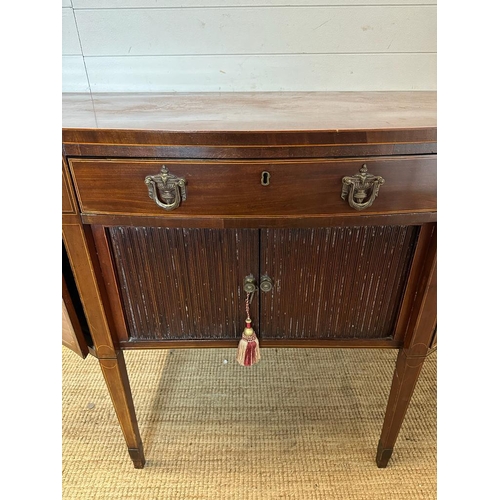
column 166, row 189
column 361, row 189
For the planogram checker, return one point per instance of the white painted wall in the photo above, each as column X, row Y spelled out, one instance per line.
column 248, row 45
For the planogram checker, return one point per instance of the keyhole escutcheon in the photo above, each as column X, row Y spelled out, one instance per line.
column 265, row 178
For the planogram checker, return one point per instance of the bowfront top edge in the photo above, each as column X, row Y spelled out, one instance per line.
column 249, row 112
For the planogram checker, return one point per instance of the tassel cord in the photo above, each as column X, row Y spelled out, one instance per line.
column 248, row 349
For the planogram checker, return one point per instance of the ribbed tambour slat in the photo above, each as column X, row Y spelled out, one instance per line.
column 184, row 283
column 344, row 282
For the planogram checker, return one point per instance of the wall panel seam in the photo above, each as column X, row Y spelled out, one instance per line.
column 262, row 6
column 83, row 57
column 281, row 54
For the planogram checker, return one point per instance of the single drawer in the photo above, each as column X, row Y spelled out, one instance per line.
column 254, row 188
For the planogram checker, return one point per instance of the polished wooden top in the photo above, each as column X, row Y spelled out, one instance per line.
column 247, row 112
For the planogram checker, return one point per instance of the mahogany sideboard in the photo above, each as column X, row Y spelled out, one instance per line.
column 321, row 205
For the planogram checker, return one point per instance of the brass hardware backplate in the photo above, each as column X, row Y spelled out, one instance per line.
column 266, row 284
column 361, row 189
column 166, row 189
column 250, row 286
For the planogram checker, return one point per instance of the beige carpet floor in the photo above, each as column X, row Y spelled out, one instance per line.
column 302, row 424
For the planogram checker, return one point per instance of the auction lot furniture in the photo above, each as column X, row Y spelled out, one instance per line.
column 319, row 208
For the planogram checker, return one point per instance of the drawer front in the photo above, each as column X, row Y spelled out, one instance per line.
column 218, row 188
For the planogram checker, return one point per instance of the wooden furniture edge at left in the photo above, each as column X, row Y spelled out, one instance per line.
column 81, row 252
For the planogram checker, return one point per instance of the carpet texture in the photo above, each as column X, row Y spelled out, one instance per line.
column 302, row 424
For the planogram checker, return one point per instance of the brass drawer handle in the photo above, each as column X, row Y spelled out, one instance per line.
column 166, row 189
column 362, row 188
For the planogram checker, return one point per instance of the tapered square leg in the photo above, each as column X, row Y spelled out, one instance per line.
column 403, row 384
column 137, row 456
column 419, row 334
column 383, row 455
column 115, row 375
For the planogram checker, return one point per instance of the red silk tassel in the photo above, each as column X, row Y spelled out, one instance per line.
column 248, row 348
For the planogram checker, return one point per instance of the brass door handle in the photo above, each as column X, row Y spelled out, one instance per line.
column 361, row 189
column 249, row 285
column 166, row 189
column 266, row 285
